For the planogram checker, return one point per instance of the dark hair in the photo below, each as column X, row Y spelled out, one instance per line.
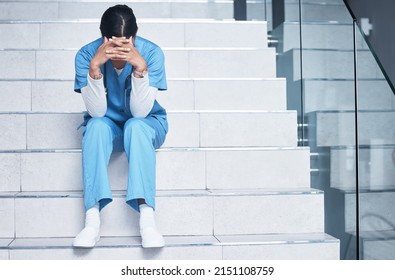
column 118, row 21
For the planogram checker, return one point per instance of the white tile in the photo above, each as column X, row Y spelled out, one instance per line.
column 212, row 10
column 376, row 211
column 7, row 218
column 54, row 131
column 195, row 218
column 232, row 94
column 179, row 96
column 284, row 168
column 313, row 251
column 226, row 34
column 56, row 96
column 10, row 172
column 58, row 35
column 339, row 95
column 55, row 64
column 13, row 131
column 164, row 34
column 19, row 36
column 48, row 217
column 266, row 214
column 181, row 170
column 51, row 172
column 375, row 168
column 255, row 63
column 183, row 130
column 9, row 60
column 28, row 10
column 15, row 96
column 248, row 129
column 176, row 63
column 132, row 253
column 337, row 128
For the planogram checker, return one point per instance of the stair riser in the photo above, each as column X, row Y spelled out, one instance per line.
column 58, row 96
column 311, row 251
column 376, row 167
column 201, row 215
column 180, row 63
column 183, row 34
column 337, row 128
column 59, row 131
column 340, row 95
column 80, row 10
column 376, row 211
column 265, row 169
column 324, row 64
column 318, row 36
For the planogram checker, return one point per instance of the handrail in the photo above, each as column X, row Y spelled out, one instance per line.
column 371, row 48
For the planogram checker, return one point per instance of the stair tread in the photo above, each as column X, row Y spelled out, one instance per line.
column 172, row 193
column 173, row 241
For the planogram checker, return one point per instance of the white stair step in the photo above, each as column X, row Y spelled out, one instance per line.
column 180, row 63
column 182, row 94
column 318, row 246
column 39, row 10
column 184, row 33
column 241, row 168
column 330, row 95
column 376, row 168
column 327, row 10
column 324, row 64
column 204, row 213
column 35, row 131
column 336, row 128
column 317, row 35
column 187, row 129
column 376, row 210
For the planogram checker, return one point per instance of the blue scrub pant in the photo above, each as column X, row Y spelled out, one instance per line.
column 140, row 139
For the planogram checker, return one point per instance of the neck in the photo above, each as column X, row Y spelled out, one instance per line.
column 118, row 64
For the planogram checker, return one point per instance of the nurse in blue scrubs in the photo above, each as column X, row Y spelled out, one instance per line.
column 119, row 76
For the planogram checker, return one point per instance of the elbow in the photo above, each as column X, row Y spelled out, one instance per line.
column 137, row 113
column 97, row 113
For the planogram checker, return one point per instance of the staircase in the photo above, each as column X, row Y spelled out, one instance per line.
column 230, row 161
column 328, row 92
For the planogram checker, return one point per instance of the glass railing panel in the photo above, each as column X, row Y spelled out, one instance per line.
column 327, row 81
column 376, row 131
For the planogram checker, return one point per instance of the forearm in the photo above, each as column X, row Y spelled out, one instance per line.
column 142, row 97
column 94, row 96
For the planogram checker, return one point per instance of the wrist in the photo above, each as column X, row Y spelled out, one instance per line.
column 139, row 74
column 95, row 72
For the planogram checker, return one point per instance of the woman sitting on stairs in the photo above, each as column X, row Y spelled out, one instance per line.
column 118, row 76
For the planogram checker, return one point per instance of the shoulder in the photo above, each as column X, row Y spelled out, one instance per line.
column 87, row 52
column 147, row 48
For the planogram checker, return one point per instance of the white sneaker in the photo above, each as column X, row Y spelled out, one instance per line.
column 151, row 238
column 87, row 238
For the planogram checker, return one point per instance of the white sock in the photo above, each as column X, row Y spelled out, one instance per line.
column 91, row 233
column 151, row 237
column 92, row 217
column 147, row 218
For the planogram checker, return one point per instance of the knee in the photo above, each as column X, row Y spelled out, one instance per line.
column 136, row 126
column 97, row 126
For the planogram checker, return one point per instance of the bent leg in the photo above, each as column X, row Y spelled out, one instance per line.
column 139, row 137
column 97, row 146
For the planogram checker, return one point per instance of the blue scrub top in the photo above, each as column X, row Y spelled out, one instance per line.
column 118, row 87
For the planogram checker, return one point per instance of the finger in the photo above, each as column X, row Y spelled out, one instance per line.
column 105, row 39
